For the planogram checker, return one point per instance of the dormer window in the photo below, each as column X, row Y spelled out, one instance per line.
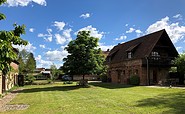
column 129, row 55
column 131, row 50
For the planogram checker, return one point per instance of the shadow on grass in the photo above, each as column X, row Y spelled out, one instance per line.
column 109, row 85
column 53, row 88
column 174, row 102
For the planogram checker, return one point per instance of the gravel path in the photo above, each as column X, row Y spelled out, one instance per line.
column 4, row 106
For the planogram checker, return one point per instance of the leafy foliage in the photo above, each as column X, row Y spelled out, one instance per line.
column 30, row 63
column 180, row 62
column 84, row 58
column 30, row 79
column 54, row 72
column 27, row 62
column 22, row 57
column 7, row 39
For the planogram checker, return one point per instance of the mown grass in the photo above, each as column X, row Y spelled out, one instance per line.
column 99, row 98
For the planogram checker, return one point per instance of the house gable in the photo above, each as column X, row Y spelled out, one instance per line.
column 165, row 46
column 141, row 47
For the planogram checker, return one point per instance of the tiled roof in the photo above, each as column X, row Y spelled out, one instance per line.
column 141, row 47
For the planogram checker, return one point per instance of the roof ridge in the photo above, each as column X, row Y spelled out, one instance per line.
column 162, row 30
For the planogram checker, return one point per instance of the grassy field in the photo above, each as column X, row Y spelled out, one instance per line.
column 99, row 98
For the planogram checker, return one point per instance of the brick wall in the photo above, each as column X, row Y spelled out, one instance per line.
column 88, row 77
column 128, row 68
column 125, row 69
column 11, row 78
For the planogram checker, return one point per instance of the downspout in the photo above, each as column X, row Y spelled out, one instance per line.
column 147, row 71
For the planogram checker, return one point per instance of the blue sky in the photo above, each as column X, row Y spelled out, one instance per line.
column 52, row 24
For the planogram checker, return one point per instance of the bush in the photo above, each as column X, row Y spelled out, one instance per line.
column 30, row 79
column 104, row 78
column 134, row 80
column 49, row 81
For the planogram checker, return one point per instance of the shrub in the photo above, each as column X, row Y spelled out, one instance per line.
column 134, row 80
column 30, row 79
column 49, row 81
column 104, row 78
column 68, row 82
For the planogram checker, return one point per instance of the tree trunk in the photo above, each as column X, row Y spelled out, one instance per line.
column 83, row 77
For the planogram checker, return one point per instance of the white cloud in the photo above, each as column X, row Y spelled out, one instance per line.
column 94, row 32
column 178, row 48
column 121, row 38
column 60, row 39
column 47, row 37
column 41, row 2
column 60, row 25
column 105, row 47
column 67, row 34
column 12, row 3
column 56, row 55
column 49, row 30
column 42, row 63
column 126, row 25
column 87, row 15
column 64, row 38
column 174, row 30
column 178, row 16
column 31, row 29
column 138, row 31
column 29, row 47
column 130, row 30
column 42, row 46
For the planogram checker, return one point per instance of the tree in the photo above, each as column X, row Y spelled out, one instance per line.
column 84, row 57
column 7, row 39
column 27, row 62
column 30, row 63
column 54, row 72
column 180, row 63
column 22, row 58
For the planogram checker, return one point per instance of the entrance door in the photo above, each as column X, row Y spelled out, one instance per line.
column 119, row 76
column 154, row 76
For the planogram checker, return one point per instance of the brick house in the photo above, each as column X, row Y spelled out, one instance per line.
column 11, row 79
column 150, row 57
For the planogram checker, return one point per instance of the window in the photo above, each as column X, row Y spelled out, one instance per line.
column 130, row 72
column 129, row 55
column 155, row 55
column 136, row 72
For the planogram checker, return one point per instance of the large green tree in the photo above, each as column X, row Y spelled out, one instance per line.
column 84, row 57
column 7, row 39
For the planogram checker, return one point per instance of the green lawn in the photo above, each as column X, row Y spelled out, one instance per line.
column 99, row 98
